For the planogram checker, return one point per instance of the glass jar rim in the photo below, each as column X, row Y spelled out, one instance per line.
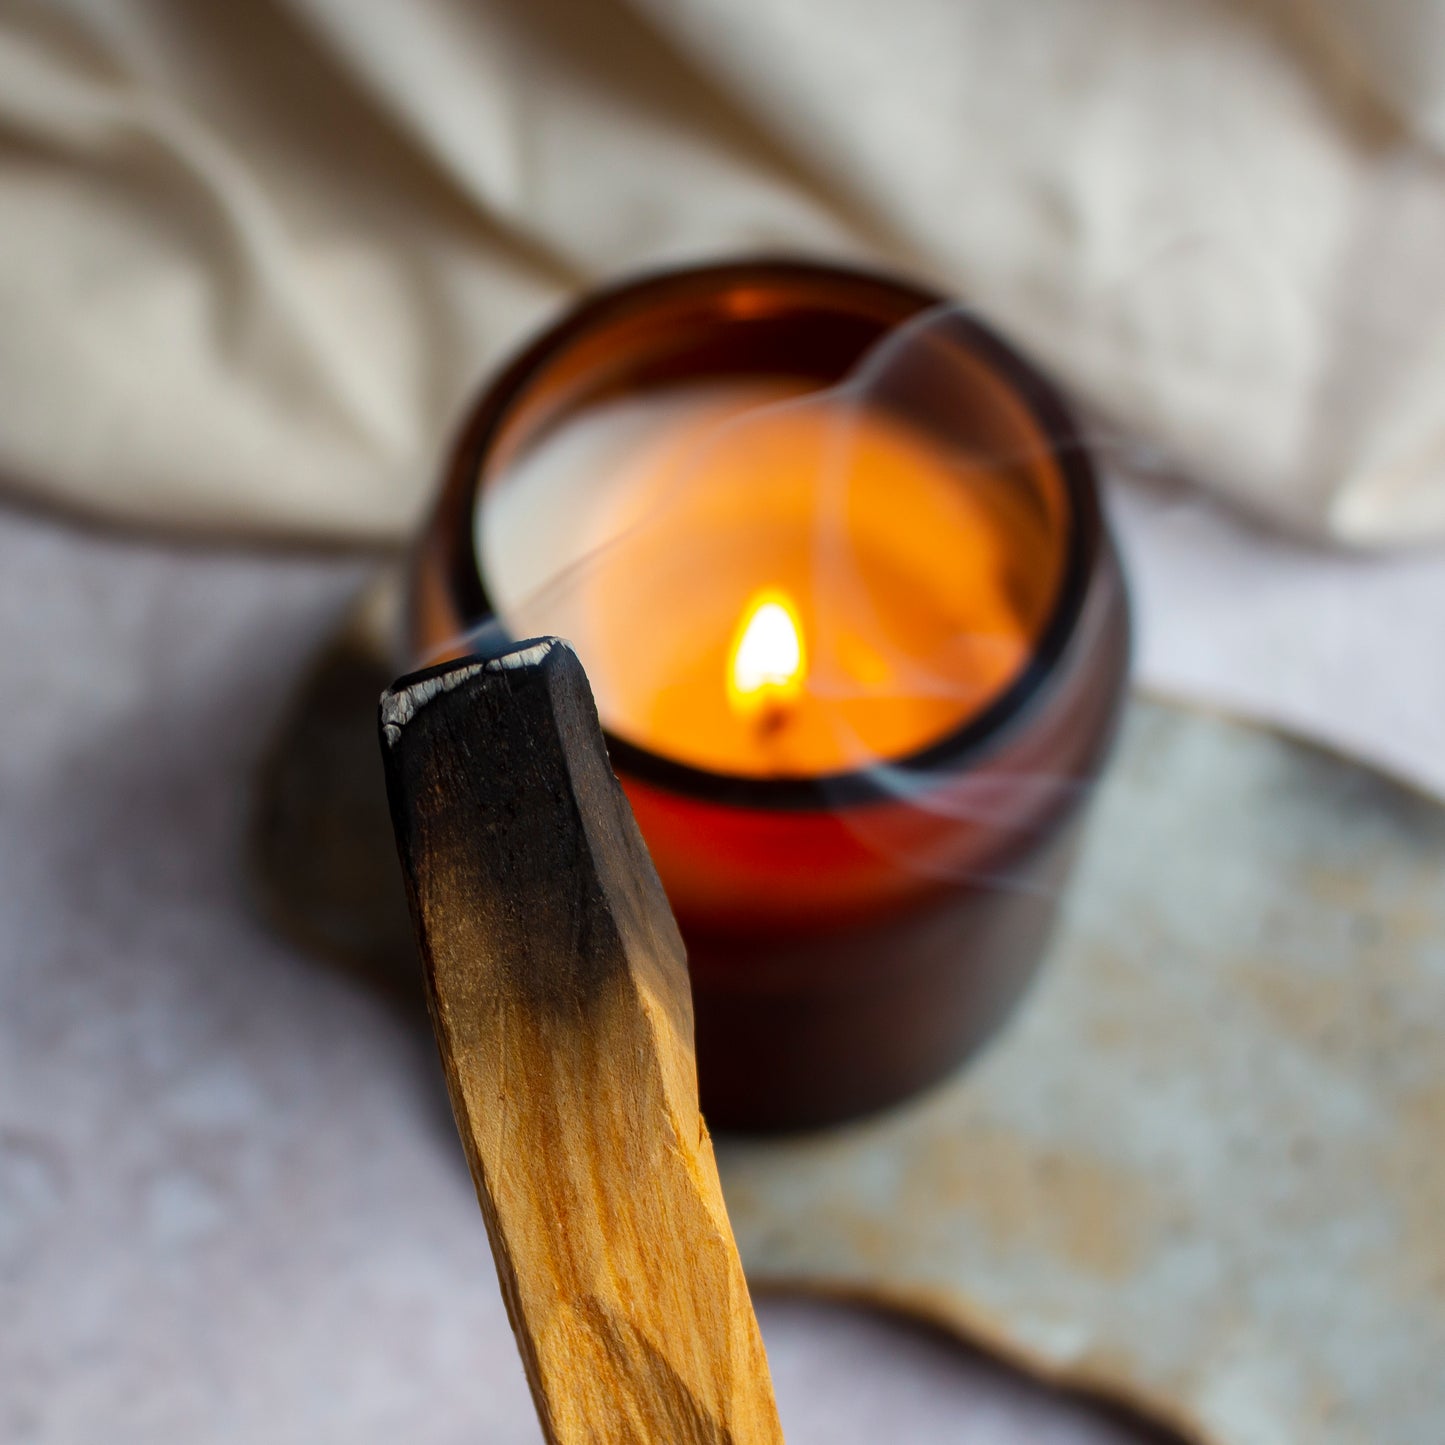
column 977, row 735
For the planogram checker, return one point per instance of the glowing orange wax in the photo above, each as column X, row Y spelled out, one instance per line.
column 675, row 537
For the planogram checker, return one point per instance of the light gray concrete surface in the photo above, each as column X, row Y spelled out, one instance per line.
column 232, row 1206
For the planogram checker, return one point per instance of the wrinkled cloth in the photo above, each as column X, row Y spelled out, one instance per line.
column 253, row 258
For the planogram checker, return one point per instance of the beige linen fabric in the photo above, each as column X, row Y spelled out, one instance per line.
column 253, row 257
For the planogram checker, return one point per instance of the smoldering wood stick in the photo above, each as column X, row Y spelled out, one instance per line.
column 559, row 994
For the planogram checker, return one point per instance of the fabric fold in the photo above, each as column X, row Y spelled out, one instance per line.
column 256, row 257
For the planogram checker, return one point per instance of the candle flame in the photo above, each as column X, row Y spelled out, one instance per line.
column 768, row 662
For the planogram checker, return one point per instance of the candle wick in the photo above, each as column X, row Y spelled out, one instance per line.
column 772, row 720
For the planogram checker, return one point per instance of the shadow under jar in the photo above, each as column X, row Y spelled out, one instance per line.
column 865, row 842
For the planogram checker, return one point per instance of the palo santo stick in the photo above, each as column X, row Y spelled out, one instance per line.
column 559, row 994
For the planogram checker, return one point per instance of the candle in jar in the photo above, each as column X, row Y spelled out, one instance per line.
column 767, row 581
column 833, row 557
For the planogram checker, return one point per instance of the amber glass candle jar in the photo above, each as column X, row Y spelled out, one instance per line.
column 858, row 636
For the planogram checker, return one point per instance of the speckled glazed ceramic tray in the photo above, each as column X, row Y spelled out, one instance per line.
column 1204, row 1170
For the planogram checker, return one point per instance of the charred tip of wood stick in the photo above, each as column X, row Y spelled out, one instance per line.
column 405, row 698
column 502, row 794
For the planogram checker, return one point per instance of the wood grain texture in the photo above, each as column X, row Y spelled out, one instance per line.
column 559, row 995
